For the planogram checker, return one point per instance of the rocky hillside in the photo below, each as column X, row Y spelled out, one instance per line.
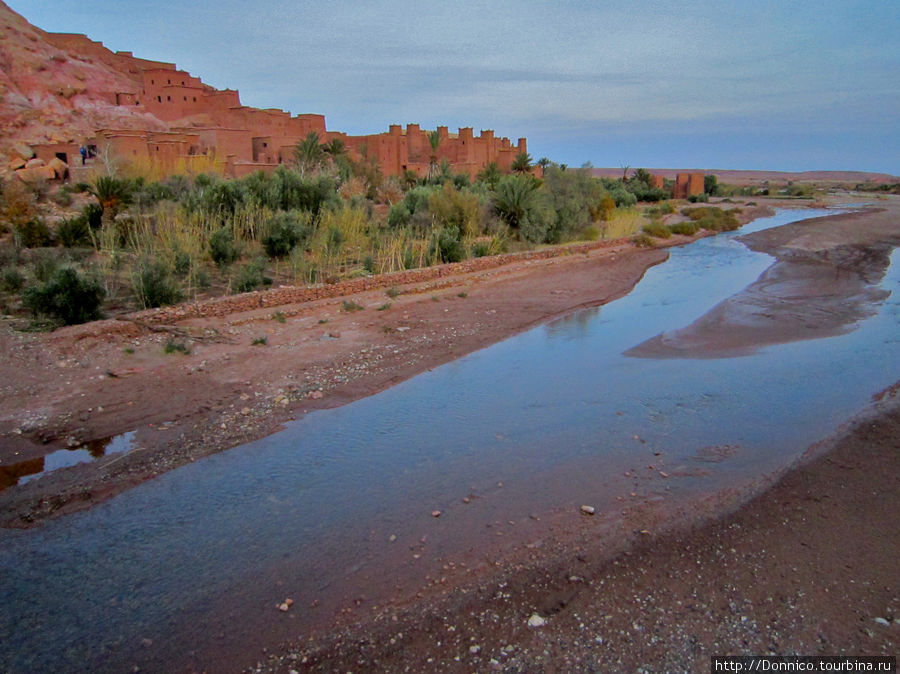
column 58, row 88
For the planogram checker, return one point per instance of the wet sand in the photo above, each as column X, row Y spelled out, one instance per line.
column 820, row 285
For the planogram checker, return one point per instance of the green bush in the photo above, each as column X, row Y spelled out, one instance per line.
column 643, row 241
column 74, row 232
column 153, row 284
column 67, row 296
column 34, row 234
column 447, row 246
column 93, row 214
column 285, row 231
column 685, row 228
column 251, row 276
column 657, row 229
column 11, row 279
column 222, row 248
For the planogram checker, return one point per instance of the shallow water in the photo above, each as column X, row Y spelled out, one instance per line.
column 542, row 422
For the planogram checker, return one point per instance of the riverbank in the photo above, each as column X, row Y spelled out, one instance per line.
column 252, row 369
column 807, row 567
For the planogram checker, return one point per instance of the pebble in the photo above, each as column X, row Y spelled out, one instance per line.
column 435, row 513
column 245, row 411
column 882, row 621
column 588, row 510
column 536, row 621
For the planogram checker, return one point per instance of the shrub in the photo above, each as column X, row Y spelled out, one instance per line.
column 279, row 317
column 384, row 307
column 398, row 215
column 350, row 306
column 657, row 229
column 392, row 292
column 67, row 296
column 447, row 245
column 285, row 231
column 685, row 228
column 251, row 276
column 34, row 234
column 222, row 248
column 93, row 214
column 11, row 279
column 176, row 346
column 153, row 284
column 481, row 249
column 74, row 232
column 259, row 341
column 643, row 241
column 369, row 264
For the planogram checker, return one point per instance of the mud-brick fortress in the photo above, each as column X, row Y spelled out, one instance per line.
column 201, row 122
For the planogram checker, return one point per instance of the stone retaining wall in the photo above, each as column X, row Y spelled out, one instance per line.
column 274, row 297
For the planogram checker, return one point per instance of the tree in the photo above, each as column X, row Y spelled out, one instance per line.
column 711, row 185
column 514, row 198
column 522, row 163
column 544, row 162
column 308, row 153
column 642, row 176
column 490, row 174
column 113, row 194
column 334, row 148
column 434, row 140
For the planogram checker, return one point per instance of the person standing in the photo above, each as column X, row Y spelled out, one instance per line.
column 83, row 151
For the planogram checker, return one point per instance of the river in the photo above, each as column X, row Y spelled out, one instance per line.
column 337, row 511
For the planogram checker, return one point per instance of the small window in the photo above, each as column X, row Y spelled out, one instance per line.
column 182, row 82
column 185, row 98
column 152, row 81
column 195, row 99
column 170, row 81
column 159, row 99
column 265, row 145
column 169, row 98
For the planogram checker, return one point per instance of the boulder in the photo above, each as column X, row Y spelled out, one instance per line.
column 35, row 163
column 22, row 150
column 37, row 173
column 16, row 163
column 60, row 168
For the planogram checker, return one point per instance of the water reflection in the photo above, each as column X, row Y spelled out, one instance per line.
column 24, row 471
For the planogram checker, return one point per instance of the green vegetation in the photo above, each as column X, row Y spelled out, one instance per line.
column 260, row 341
column 145, row 243
column 176, row 346
column 350, row 306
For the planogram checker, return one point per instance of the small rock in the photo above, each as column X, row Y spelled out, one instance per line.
column 882, row 621
column 283, row 607
column 245, row 411
column 588, row 510
column 435, row 513
column 392, row 538
column 289, row 602
column 663, row 473
column 536, row 621
column 315, row 395
column 474, row 649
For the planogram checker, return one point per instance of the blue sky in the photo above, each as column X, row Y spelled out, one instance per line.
column 782, row 85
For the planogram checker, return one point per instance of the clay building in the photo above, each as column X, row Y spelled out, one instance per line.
column 688, row 184
column 212, row 123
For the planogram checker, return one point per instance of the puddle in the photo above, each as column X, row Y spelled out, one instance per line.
column 25, row 471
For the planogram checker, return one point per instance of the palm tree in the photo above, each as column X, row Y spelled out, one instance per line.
column 112, row 194
column 434, row 140
column 490, row 174
column 334, row 148
column 544, row 162
column 522, row 163
column 514, row 198
column 308, row 153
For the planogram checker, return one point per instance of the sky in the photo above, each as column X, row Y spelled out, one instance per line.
column 765, row 84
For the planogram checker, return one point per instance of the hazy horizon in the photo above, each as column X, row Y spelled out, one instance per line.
column 789, row 86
